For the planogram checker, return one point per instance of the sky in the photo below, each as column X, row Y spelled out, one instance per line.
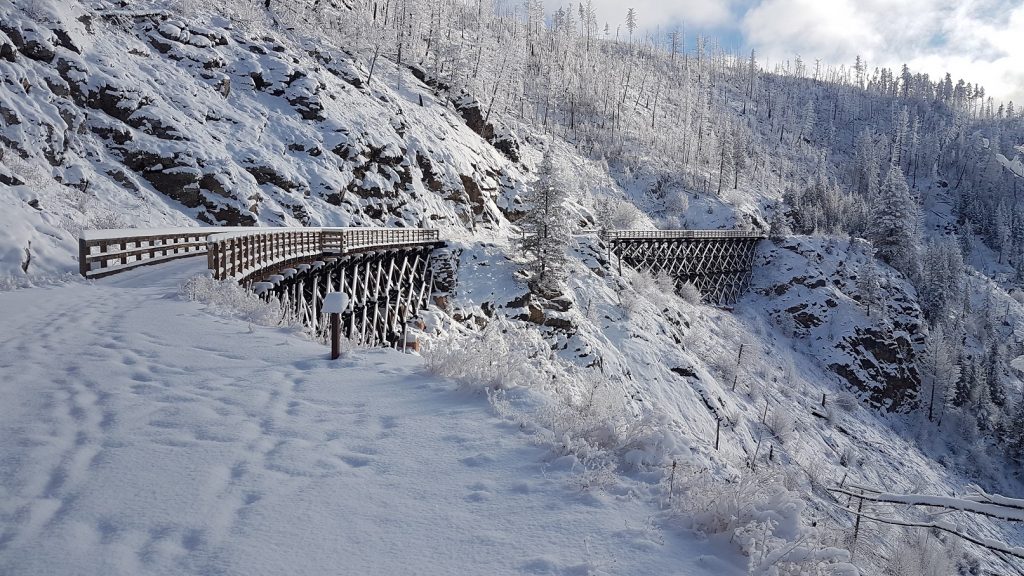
column 981, row 41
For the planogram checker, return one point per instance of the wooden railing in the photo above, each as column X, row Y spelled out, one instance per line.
column 673, row 234
column 105, row 252
column 356, row 238
column 231, row 252
column 240, row 255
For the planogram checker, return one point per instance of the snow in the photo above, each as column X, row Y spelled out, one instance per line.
column 142, row 435
column 108, row 234
column 1017, row 363
column 1015, row 166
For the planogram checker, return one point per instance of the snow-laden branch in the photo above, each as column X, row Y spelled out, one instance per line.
column 987, row 543
column 1013, row 511
column 982, row 496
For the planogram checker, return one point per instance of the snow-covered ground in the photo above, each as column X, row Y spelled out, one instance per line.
column 140, row 434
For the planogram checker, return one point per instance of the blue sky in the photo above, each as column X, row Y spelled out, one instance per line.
column 977, row 40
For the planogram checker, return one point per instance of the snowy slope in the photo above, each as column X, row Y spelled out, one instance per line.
column 143, row 119
column 664, row 370
column 144, row 436
column 808, row 286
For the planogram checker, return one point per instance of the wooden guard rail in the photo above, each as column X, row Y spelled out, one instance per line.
column 673, row 234
column 231, row 252
column 100, row 256
column 240, row 255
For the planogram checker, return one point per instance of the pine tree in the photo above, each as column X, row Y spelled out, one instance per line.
column 1002, row 232
column 981, row 398
column 865, row 164
column 1015, row 433
column 894, row 223
column 940, row 284
column 868, row 285
column 994, row 373
column 779, row 228
column 901, row 125
column 961, row 393
column 726, row 160
column 631, row 23
column 545, row 225
column 807, row 121
column 939, row 366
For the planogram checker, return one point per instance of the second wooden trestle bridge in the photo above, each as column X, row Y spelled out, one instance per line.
column 387, row 274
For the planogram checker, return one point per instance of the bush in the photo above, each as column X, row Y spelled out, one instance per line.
column 501, row 356
column 10, row 282
column 762, row 518
column 577, row 412
column 782, row 424
column 617, row 214
column 689, row 292
column 659, row 290
column 227, row 298
column 846, row 401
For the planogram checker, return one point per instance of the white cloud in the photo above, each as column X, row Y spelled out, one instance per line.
column 980, row 41
column 977, row 40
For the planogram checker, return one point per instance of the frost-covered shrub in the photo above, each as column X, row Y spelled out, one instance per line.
column 617, row 214
column 32, row 280
column 763, row 519
column 920, row 554
column 847, row 456
column 227, row 298
column 658, row 289
column 592, row 418
column 503, row 355
column 782, row 424
column 718, row 506
column 109, row 221
column 845, row 401
column 689, row 292
column 577, row 412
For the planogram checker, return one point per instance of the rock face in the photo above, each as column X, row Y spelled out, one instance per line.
column 808, row 286
column 240, row 129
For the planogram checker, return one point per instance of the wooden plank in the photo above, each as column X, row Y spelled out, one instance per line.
column 83, row 257
column 150, row 250
column 104, row 272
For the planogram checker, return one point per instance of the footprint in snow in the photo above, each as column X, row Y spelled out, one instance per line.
column 477, row 461
column 479, row 496
column 356, row 460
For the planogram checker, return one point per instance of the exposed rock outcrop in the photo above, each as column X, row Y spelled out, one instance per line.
column 808, row 286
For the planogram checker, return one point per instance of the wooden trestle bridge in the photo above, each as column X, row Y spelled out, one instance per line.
column 718, row 262
column 387, row 273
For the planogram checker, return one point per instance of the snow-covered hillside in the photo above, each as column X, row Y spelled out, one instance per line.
column 627, row 430
column 145, row 120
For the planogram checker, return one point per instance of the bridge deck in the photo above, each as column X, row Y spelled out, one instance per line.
column 616, row 235
column 234, row 252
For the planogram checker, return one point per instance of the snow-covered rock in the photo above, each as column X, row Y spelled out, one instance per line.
column 233, row 128
column 809, row 288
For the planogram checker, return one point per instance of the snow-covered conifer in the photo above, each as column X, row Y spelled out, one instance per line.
column 940, row 368
column 546, row 229
column 868, row 285
column 894, row 228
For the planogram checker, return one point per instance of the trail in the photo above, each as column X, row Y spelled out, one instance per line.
column 141, row 435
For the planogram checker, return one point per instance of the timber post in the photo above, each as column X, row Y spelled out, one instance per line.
column 334, row 304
